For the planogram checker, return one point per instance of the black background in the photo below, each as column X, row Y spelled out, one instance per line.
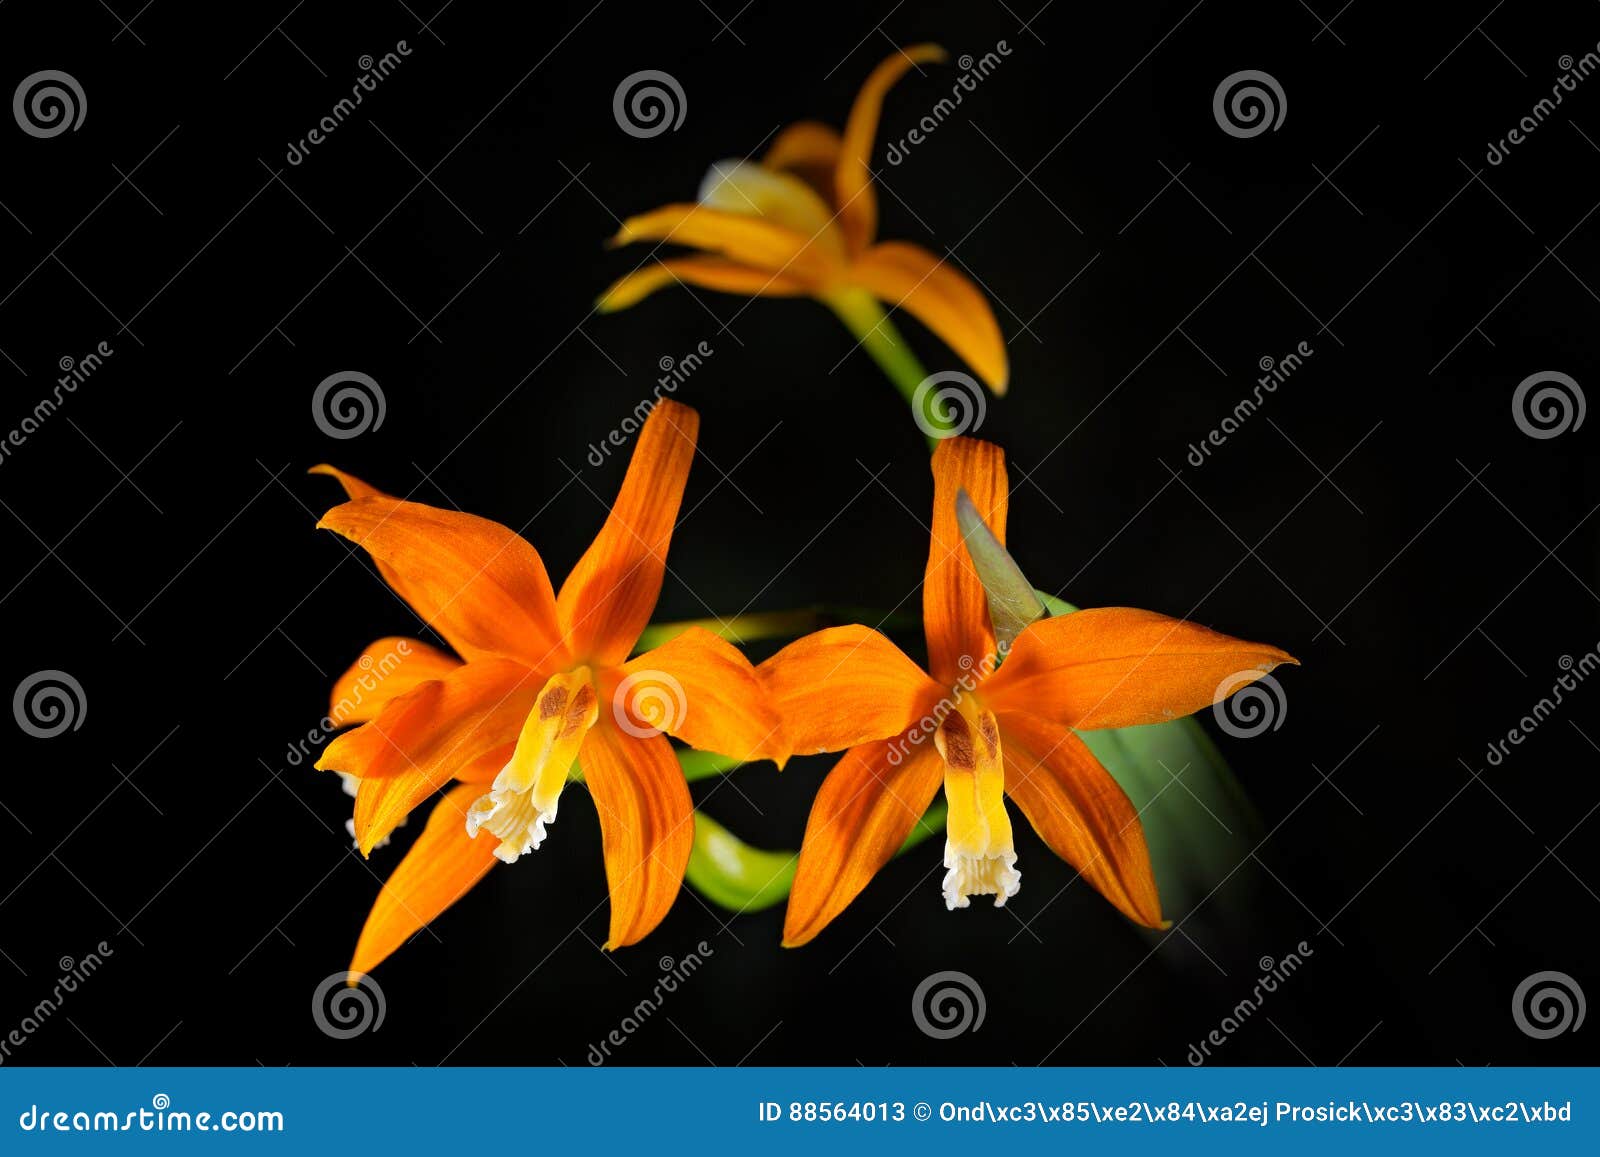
column 159, row 543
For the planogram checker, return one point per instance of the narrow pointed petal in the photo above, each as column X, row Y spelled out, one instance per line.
column 955, row 609
column 852, row 179
column 702, row 690
column 477, row 583
column 741, row 237
column 646, row 825
column 870, row 801
column 386, row 670
column 608, row 598
column 1119, row 667
column 809, row 150
column 717, row 273
column 1078, row 809
column 439, row 869
column 844, row 686
column 942, row 298
column 355, row 488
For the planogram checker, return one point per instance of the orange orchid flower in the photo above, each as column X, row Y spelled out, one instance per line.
column 542, row 679
column 802, row 221
column 985, row 732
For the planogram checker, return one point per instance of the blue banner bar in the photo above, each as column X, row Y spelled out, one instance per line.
column 788, row 1110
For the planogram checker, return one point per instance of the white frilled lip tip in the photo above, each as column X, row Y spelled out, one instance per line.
column 980, row 875
column 513, row 818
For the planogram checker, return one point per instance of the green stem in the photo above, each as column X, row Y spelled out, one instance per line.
column 870, row 325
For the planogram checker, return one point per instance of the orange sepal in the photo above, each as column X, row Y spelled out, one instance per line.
column 955, row 609
column 714, row 273
column 852, row 179
column 862, row 814
column 844, row 686
column 646, row 825
column 1120, row 667
column 1078, row 809
column 608, row 598
column 386, row 670
column 942, row 298
column 702, row 690
column 477, row 583
column 438, row 870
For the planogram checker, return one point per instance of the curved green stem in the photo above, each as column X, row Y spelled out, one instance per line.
column 870, row 325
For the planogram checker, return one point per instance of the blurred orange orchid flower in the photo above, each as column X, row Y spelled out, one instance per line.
column 986, row 732
column 543, row 679
column 802, row 222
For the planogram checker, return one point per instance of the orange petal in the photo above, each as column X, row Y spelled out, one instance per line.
column 747, row 239
column 809, row 150
column 477, row 583
column 707, row 272
column 852, row 179
column 844, row 686
column 1078, row 809
column 863, row 813
column 438, row 870
column 386, row 670
column 609, row 596
column 422, row 738
column 702, row 690
column 955, row 610
column 646, row 825
column 942, row 298
column 356, row 488
column 1118, row 667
